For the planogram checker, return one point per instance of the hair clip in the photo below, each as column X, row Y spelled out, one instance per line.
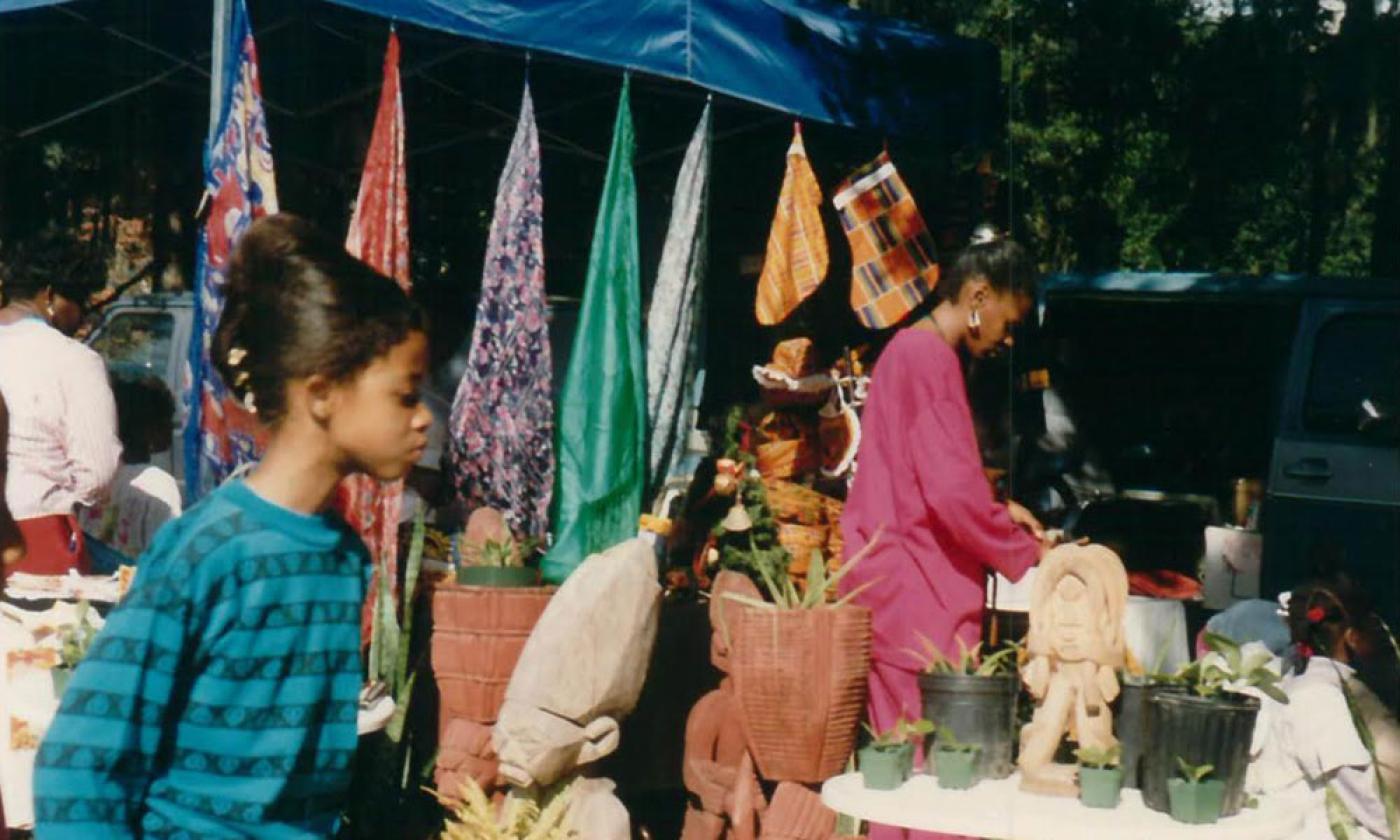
column 236, row 355
column 984, row 234
column 1315, row 615
column 250, row 404
column 241, row 378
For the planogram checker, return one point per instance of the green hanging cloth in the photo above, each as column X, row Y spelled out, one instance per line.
column 600, row 436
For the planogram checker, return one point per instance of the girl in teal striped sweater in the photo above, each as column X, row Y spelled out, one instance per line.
column 220, row 699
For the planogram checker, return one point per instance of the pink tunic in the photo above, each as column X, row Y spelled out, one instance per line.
column 919, row 473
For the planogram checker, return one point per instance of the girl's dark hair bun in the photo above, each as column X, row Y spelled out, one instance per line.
column 297, row 304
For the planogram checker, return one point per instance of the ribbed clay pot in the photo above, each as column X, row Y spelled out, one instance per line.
column 478, row 634
column 800, row 677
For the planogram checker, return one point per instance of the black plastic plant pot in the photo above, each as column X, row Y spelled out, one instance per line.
column 957, row 769
column 886, row 768
column 1130, row 725
column 980, row 711
column 1100, row 787
column 1196, row 803
column 501, row 577
column 1199, row 730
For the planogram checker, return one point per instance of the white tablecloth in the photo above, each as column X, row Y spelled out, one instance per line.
column 1000, row 809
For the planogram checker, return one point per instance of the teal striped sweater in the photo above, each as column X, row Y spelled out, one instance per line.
column 220, row 698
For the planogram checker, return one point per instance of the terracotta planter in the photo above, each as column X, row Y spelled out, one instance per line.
column 800, row 678
column 478, row 634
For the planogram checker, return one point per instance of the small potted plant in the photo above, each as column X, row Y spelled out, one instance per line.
column 955, row 761
column 888, row 760
column 1194, row 798
column 974, row 696
column 499, row 563
column 74, row 641
column 1100, row 776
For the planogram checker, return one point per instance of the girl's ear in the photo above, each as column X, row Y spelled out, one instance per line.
column 320, row 397
column 976, row 291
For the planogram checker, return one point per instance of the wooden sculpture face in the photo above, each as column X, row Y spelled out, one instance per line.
column 1074, row 622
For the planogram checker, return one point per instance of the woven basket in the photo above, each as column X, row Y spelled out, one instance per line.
column 800, row 679
column 800, row 540
column 786, row 459
column 795, row 503
column 478, row 634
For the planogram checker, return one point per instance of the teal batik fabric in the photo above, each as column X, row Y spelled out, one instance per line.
column 220, row 698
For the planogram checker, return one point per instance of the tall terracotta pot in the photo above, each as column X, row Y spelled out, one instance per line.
column 800, row 678
column 478, row 634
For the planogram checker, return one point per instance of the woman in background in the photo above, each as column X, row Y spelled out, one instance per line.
column 920, row 483
column 62, row 441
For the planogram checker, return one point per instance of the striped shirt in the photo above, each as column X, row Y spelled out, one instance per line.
column 63, row 447
column 220, row 698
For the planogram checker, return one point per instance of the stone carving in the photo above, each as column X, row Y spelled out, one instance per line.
column 1075, row 647
column 580, row 674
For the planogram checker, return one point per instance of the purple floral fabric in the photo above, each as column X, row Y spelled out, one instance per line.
column 502, row 433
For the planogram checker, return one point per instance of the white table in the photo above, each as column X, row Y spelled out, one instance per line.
column 1000, row 809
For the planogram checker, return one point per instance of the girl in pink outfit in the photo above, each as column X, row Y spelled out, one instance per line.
column 919, row 474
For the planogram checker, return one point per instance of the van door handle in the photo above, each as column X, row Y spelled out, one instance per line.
column 1309, row 469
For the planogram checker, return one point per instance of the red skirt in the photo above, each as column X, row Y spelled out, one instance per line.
column 53, row 545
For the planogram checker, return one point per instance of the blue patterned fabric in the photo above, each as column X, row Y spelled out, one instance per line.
column 220, row 698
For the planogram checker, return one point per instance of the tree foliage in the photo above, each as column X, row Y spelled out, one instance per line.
column 1193, row 134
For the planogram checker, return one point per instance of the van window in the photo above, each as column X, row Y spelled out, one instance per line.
column 1354, row 385
column 137, row 340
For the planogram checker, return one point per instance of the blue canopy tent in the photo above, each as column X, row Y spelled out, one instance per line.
column 812, row 58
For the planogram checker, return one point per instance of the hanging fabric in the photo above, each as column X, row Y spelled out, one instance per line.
column 674, row 321
column 601, row 433
column 893, row 262
column 796, row 261
column 502, row 427
column 239, row 186
column 379, row 237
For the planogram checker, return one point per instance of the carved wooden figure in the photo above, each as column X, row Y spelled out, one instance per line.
column 718, row 772
column 1075, row 647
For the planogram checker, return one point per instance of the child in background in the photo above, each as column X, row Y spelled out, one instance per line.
column 1311, row 746
column 220, row 699
column 143, row 497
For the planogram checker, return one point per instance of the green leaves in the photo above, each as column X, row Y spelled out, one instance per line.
column 901, row 733
column 948, row 742
column 1099, row 756
column 1193, row 773
column 970, row 661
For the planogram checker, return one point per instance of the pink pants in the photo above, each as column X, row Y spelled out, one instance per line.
column 895, row 692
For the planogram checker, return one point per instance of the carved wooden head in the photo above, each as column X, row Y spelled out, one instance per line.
column 1077, row 606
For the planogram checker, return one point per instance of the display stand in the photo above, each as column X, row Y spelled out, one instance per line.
column 1001, row 809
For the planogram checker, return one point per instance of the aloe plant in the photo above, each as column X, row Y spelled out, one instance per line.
column 821, row 580
column 1193, row 773
column 901, row 733
column 508, row 552
column 948, row 742
column 1100, row 757
column 385, row 776
column 969, row 662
